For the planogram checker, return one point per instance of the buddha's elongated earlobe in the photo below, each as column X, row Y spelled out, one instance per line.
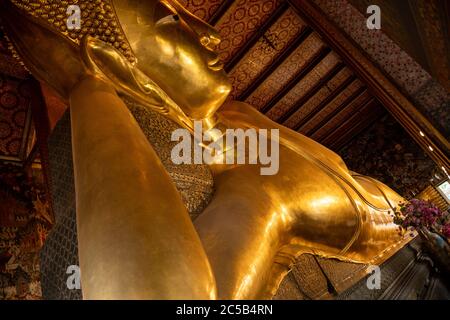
column 104, row 61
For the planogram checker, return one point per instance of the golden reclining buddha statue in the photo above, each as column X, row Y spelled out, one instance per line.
column 135, row 237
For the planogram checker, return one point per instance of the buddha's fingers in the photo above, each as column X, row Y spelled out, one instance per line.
column 135, row 238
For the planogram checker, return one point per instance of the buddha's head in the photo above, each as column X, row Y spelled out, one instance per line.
column 175, row 49
column 172, row 50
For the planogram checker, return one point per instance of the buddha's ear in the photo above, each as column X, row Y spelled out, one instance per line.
column 104, row 61
column 48, row 55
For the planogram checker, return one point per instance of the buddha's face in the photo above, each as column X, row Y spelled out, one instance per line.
column 175, row 49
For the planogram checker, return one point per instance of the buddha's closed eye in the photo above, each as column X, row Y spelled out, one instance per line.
column 173, row 18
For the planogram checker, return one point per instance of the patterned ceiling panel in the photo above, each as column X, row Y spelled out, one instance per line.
column 268, row 47
column 240, row 22
column 321, row 95
column 351, row 109
column 330, row 107
column 285, row 72
column 14, row 119
column 313, row 77
column 361, row 119
column 430, row 97
column 275, row 59
column 204, row 9
column 8, row 64
column 330, row 61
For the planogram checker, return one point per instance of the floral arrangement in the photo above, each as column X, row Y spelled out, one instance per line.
column 446, row 230
column 417, row 214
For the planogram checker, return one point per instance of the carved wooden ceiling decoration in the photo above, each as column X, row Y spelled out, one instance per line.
column 281, row 66
column 421, row 28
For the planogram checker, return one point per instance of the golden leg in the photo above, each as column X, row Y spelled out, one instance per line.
column 135, row 237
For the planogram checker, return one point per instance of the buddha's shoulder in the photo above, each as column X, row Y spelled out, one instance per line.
column 245, row 113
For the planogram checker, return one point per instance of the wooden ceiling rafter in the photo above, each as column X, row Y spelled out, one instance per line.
column 318, row 57
column 343, row 115
column 304, row 34
column 313, row 90
column 348, row 101
column 333, row 94
column 346, row 119
column 220, row 12
column 254, row 38
column 376, row 113
column 399, row 106
column 341, row 133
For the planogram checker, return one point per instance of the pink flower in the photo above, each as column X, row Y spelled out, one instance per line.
column 417, row 213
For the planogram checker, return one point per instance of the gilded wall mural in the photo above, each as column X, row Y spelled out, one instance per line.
column 24, row 224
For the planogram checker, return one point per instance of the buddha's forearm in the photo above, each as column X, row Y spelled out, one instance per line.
column 134, row 232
